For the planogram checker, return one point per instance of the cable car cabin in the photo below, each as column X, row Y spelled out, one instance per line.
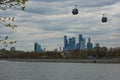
column 104, row 19
column 75, row 10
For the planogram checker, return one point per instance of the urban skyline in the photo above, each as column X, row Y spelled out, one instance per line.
column 70, row 44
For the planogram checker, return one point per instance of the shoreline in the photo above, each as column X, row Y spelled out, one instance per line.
column 115, row 60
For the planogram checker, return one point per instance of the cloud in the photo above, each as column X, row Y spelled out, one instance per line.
column 98, row 3
column 47, row 21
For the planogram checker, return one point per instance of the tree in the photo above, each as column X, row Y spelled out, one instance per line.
column 6, row 21
column 17, row 4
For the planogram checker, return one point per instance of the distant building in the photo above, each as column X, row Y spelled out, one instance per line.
column 89, row 44
column 65, row 43
column 89, row 48
column 77, row 46
column 12, row 49
column 37, row 47
column 81, row 44
column 69, row 45
column 72, row 45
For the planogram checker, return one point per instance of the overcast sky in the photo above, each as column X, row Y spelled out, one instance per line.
column 47, row 21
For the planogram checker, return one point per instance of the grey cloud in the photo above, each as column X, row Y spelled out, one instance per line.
column 5, row 30
column 50, row 8
column 8, row 13
column 6, row 33
column 49, row 0
column 89, row 32
column 96, row 3
column 47, row 9
column 54, row 28
column 48, row 17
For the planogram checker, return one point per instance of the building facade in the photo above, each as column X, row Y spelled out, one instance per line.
column 72, row 45
column 37, row 47
column 65, row 48
column 81, row 43
column 89, row 44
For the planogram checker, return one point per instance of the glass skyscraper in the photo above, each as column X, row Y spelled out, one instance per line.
column 65, row 43
column 37, row 47
column 81, row 44
column 89, row 44
column 71, row 43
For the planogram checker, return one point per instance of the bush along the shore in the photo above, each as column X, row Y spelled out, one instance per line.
column 100, row 53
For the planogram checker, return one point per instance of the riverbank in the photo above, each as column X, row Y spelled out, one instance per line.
column 115, row 60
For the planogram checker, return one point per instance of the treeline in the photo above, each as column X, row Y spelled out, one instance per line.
column 97, row 52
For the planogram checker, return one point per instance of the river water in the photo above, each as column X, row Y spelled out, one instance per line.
column 58, row 71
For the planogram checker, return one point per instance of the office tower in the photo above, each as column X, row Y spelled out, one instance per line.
column 37, row 47
column 71, row 44
column 81, row 44
column 65, row 43
column 80, row 41
column 80, row 37
column 89, row 48
column 89, row 44
column 77, row 46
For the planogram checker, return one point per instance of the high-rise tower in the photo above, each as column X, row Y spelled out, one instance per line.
column 65, row 43
column 72, row 43
column 89, row 44
column 37, row 47
column 81, row 44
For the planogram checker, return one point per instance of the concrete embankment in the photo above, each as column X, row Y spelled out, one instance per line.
column 115, row 60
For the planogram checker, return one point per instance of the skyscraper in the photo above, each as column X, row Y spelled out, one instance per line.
column 72, row 44
column 89, row 44
column 77, row 46
column 82, row 47
column 65, row 43
column 89, row 48
column 37, row 47
column 81, row 43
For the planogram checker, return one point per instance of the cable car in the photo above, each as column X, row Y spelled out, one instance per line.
column 75, row 10
column 104, row 19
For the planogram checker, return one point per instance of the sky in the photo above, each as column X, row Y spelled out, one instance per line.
column 47, row 21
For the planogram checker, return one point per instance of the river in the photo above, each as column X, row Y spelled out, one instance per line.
column 10, row 70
